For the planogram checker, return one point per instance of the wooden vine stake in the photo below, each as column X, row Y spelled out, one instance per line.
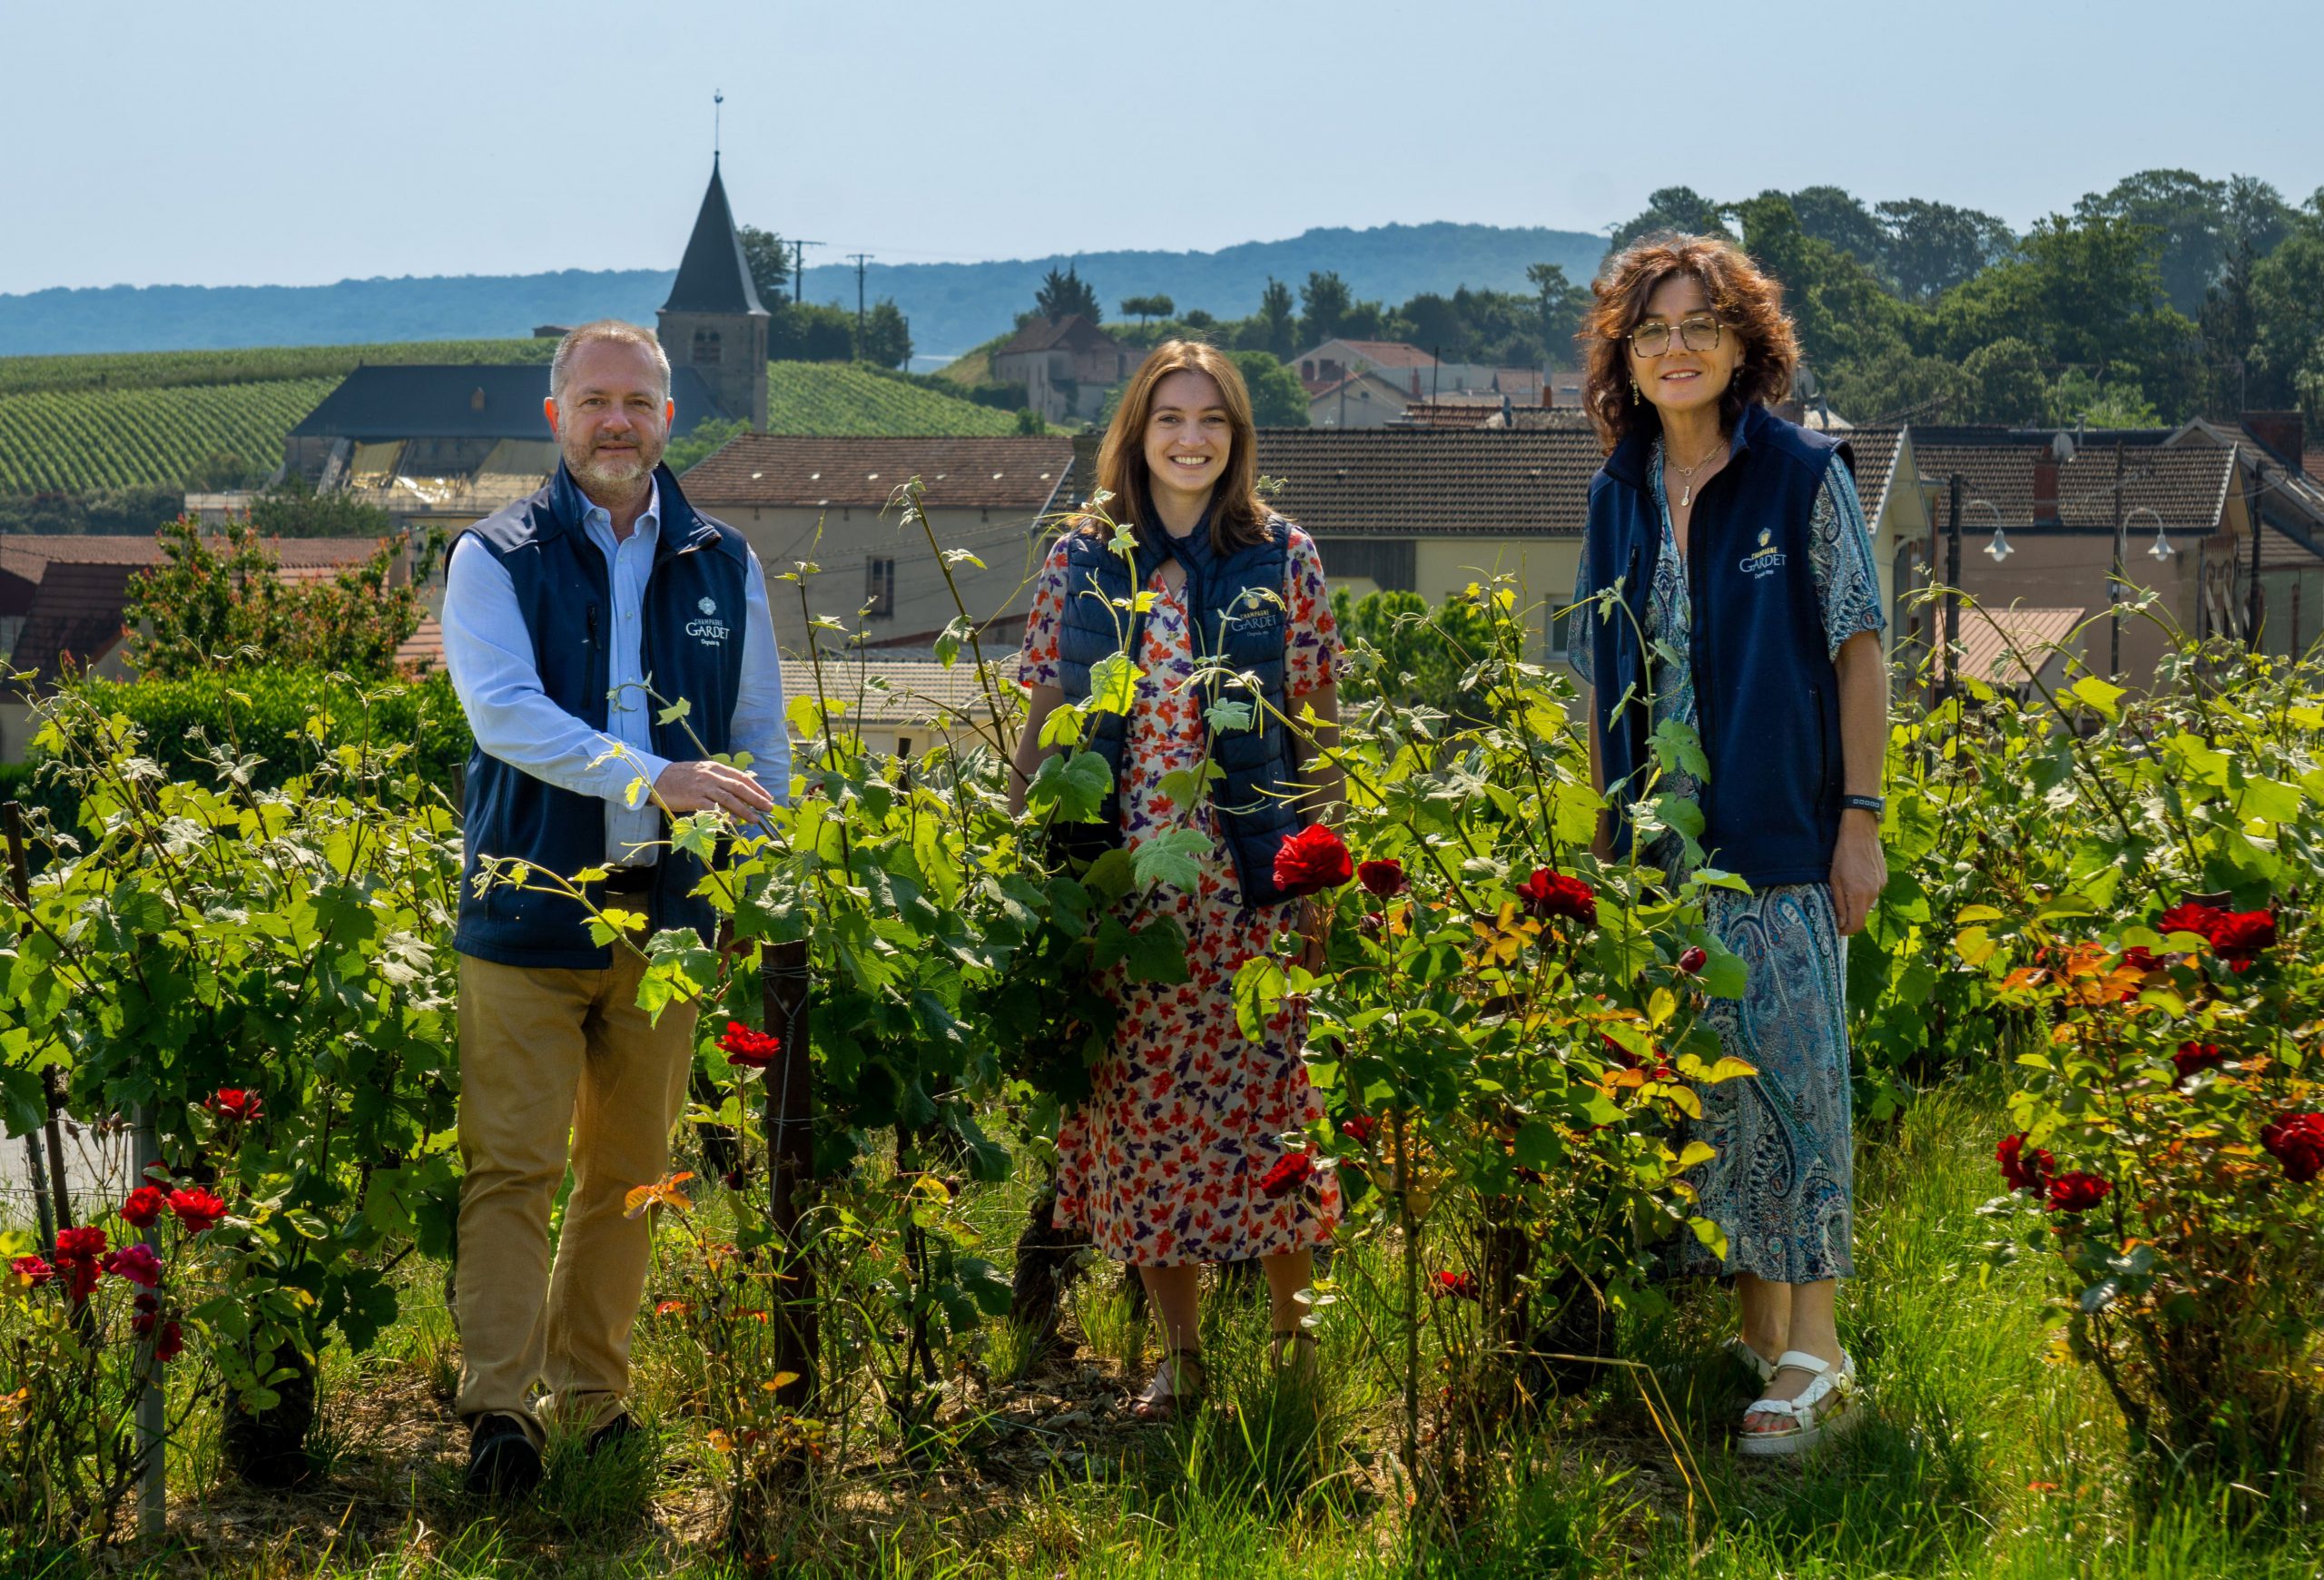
column 790, row 1158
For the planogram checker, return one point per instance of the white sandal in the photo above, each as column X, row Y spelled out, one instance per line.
column 1826, row 1407
column 1760, row 1366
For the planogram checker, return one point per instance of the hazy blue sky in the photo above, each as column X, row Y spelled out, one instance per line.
column 234, row 144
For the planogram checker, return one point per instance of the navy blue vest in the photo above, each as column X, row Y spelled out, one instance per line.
column 1235, row 609
column 562, row 586
column 1767, row 694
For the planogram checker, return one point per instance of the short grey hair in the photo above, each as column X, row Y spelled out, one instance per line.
column 613, row 329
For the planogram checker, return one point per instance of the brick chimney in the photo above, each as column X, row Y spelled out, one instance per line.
column 1085, row 467
column 2283, row 432
column 1415, row 383
column 2045, row 488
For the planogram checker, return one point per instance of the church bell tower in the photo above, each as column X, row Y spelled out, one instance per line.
column 714, row 321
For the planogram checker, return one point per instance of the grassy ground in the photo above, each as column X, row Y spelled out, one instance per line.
column 1988, row 1452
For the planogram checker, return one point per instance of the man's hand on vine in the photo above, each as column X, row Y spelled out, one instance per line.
column 712, row 787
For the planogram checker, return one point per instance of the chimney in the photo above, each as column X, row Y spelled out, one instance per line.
column 2285, row 433
column 1085, row 469
column 1415, row 383
column 2045, row 488
column 1546, row 401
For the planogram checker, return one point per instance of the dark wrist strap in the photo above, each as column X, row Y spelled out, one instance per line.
column 1875, row 805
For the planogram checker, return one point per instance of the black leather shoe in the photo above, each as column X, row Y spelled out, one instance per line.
column 502, row 1460
column 613, row 1434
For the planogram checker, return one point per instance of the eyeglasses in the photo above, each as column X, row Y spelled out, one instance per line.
column 1652, row 338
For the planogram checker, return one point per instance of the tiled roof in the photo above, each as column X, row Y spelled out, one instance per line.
column 1996, row 650
column 906, row 685
column 75, row 615
column 1876, row 451
column 774, row 470
column 2187, row 485
column 423, row 650
column 1386, row 353
column 1072, row 333
column 31, row 555
column 1432, row 482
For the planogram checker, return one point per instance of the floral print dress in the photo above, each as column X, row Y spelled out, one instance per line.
column 1780, row 1184
column 1162, row 1166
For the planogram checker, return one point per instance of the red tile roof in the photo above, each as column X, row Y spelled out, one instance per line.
column 2014, row 644
column 1387, row 353
column 423, row 650
column 1400, row 482
column 2186, row 485
column 776, row 470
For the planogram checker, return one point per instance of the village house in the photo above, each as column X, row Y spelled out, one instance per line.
column 828, row 501
column 1365, row 399
column 1067, row 366
column 1412, row 369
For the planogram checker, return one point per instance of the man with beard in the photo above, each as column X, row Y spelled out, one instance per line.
column 572, row 622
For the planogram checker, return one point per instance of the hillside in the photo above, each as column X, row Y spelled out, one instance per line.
column 74, row 424
column 80, row 440
column 833, row 400
column 951, row 306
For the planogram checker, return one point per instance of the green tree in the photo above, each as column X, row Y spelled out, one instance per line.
column 1326, row 304
column 2197, row 223
column 1680, row 210
column 885, row 339
column 1839, row 219
column 764, row 254
column 1842, row 312
column 1932, row 247
column 292, row 509
column 1561, row 305
column 1898, row 387
column 2288, row 318
column 2006, row 386
column 1064, row 293
column 1277, row 398
column 1277, row 321
column 223, row 469
column 212, row 596
column 811, row 331
column 1142, row 308
column 2078, row 398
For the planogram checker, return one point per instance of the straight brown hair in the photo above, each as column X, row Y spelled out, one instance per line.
column 1238, row 517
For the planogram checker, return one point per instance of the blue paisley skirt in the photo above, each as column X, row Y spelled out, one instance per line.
column 1781, row 1184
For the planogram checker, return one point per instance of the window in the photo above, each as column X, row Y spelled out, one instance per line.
column 706, row 350
column 880, row 587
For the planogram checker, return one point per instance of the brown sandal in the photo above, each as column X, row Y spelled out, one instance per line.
column 1181, row 1397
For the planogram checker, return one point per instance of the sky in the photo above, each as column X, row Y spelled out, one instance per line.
column 280, row 143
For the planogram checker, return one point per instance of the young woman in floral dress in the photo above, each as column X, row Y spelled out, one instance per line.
column 1176, row 1159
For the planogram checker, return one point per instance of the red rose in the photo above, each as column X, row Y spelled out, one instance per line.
column 148, row 1313
column 1291, row 1171
column 1359, row 1129
column 2140, row 958
column 2194, row 1058
column 2078, row 1191
column 232, row 1104
column 33, row 1271
column 2297, row 1142
column 1547, row 893
column 137, row 1263
column 2240, row 935
column 78, row 1249
column 1385, row 878
column 1459, row 1285
column 144, row 1205
column 2021, row 1171
column 1312, row 861
column 2190, row 917
column 750, row 1050
column 171, row 1342
column 1692, row 962
column 197, row 1209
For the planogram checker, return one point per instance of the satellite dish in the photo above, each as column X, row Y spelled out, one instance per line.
column 2062, row 446
column 1805, row 382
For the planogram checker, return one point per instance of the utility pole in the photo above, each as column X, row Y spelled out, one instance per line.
column 2252, row 507
column 862, row 261
column 799, row 269
column 2115, row 585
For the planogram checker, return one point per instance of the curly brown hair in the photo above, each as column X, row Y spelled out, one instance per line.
column 1746, row 299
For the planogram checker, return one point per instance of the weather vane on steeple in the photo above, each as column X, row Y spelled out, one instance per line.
column 717, row 99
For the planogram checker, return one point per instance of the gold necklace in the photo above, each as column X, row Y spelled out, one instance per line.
column 1686, row 493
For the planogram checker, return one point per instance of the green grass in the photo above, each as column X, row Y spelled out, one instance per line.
column 251, row 365
column 834, row 400
column 1987, row 1453
column 77, row 440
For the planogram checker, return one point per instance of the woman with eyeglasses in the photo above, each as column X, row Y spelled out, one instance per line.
column 1730, row 592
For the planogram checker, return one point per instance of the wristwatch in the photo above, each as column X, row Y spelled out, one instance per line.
column 1875, row 805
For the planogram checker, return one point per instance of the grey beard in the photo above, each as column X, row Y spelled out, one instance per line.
column 590, row 475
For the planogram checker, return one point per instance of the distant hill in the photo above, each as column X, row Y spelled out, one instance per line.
column 953, row 306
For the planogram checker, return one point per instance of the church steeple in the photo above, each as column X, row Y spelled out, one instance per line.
column 713, row 319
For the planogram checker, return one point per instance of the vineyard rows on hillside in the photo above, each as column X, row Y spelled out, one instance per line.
column 252, row 365
column 118, row 439
column 831, row 399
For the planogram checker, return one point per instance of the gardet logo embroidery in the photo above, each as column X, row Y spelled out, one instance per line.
column 708, row 630
column 1764, row 559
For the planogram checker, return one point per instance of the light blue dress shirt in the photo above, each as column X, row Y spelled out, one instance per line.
column 489, row 652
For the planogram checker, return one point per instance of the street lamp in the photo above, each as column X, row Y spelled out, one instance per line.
column 2000, row 546
column 2160, row 548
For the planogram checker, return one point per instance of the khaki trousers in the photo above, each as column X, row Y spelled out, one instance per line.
column 545, row 1054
